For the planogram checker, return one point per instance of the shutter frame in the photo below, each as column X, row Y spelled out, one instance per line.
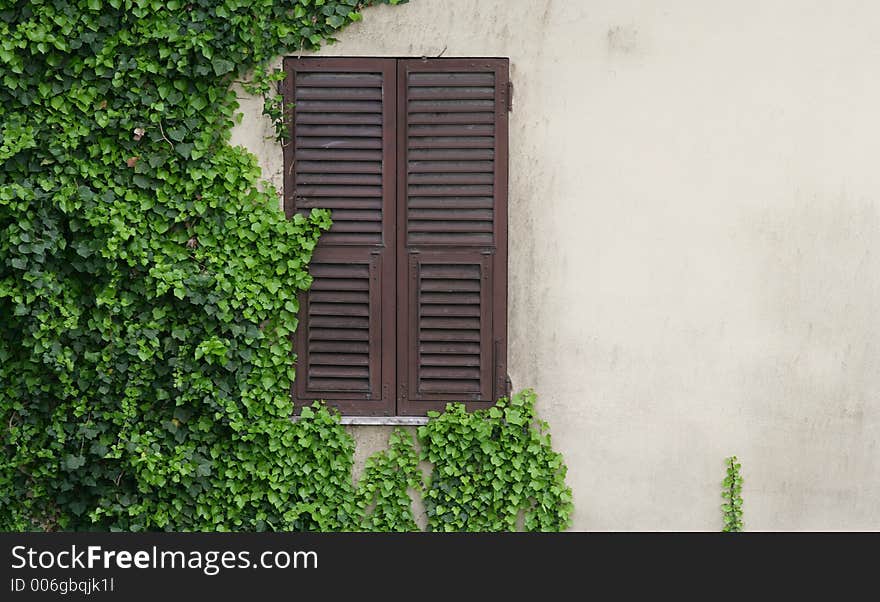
column 414, row 398
column 348, row 243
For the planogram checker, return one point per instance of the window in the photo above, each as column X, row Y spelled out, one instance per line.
column 408, row 308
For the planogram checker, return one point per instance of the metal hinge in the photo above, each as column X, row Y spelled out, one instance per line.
column 510, row 97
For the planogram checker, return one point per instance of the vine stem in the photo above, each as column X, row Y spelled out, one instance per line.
column 164, row 137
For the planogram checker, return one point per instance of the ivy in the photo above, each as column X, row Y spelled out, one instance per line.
column 264, row 82
column 383, row 495
column 148, row 282
column 732, row 494
column 148, row 293
column 493, row 466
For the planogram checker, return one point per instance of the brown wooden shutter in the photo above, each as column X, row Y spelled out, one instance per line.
column 452, row 233
column 341, row 156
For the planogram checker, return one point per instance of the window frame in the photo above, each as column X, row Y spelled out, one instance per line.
column 397, row 361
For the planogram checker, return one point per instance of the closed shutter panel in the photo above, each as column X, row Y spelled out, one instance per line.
column 341, row 156
column 452, row 237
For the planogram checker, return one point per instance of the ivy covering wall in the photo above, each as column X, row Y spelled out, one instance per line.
column 148, row 287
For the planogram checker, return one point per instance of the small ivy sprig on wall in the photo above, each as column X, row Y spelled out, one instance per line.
column 732, row 494
column 264, row 82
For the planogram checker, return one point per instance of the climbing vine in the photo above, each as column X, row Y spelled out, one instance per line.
column 492, row 467
column 148, row 293
column 264, row 82
column 732, row 493
column 491, row 470
column 148, row 282
column 383, row 495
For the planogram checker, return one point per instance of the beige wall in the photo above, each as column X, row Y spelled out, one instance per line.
column 695, row 244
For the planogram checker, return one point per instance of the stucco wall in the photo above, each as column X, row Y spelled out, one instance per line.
column 695, row 244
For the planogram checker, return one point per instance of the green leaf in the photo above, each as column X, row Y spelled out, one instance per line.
column 185, row 149
column 72, row 462
column 222, row 66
